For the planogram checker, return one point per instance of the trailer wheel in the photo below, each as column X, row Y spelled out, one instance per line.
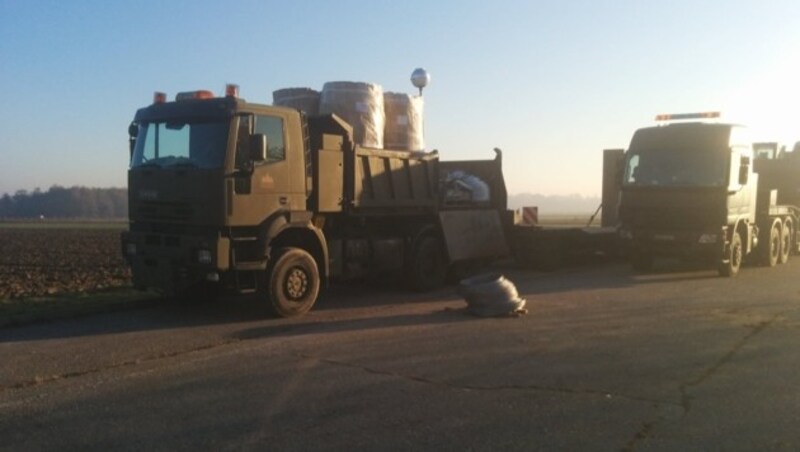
column 294, row 283
column 642, row 261
column 787, row 232
column 428, row 265
column 771, row 253
column 732, row 262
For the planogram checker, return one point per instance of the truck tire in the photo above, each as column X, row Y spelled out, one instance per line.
column 772, row 246
column 294, row 283
column 642, row 261
column 787, row 232
column 732, row 261
column 428, row 266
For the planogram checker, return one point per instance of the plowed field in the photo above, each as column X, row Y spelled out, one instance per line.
column 48, row 261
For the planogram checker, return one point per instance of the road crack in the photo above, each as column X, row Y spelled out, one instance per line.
column 40, row 380
column 711, row 371
column 470, row 387
column 685, row 397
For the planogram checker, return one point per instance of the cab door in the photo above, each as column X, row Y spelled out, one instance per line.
column 261, row 187
column 742, row 186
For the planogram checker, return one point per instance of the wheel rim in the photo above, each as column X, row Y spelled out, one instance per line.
column 736, row 255
column 296, row 284
column 775, row 244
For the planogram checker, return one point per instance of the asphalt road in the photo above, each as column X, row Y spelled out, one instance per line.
column 604, row 360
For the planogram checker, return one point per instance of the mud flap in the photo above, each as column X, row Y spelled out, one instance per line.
column 473, row 234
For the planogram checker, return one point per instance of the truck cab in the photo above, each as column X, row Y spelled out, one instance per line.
column 213, row 181
column 689, row 191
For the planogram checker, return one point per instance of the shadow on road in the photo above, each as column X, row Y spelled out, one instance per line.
column 340, row 297
column 165, row 314
column 609, row 275
column 329, row 326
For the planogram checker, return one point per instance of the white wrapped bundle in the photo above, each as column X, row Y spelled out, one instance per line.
column 361, row 105
column 305, row 99
column 403, row 129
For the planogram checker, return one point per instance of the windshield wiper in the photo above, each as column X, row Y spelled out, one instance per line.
column 148, row 165
column 184, row 164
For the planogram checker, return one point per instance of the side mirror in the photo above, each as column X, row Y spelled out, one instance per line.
column 258, row 147
column 133, row 131
column 744, row 171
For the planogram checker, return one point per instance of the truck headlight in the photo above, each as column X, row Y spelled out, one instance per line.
column 204, row 256
column 708, row 238
column 130, row 249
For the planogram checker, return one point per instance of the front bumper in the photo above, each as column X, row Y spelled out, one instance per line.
column 171, row 262
column 693, row 245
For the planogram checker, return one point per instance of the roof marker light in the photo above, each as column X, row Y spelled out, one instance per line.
column 680, row 116
column 199, row 94
column 232, row 90
column 159, row 97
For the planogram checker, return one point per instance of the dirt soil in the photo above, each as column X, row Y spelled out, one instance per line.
column 36, row 262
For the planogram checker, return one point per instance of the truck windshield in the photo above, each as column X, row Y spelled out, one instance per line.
column 181, row 144
column 676, row 168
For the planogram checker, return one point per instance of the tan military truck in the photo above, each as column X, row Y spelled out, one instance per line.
column 226, row 194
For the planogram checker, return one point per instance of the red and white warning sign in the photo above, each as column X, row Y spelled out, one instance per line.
column 530, row 215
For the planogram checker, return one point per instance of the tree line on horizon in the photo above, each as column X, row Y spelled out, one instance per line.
column 555, row 204
column 63, row 202
column 86, row 202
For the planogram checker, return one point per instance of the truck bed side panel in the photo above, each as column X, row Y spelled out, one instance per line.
column 393, row 180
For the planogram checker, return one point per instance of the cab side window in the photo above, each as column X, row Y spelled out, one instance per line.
column 242, row 138
column 739, row 155
column 272, row 127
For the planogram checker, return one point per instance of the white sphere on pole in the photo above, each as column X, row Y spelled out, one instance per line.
column 420, row 78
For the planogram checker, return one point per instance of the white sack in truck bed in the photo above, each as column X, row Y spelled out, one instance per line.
column 361, row 105
column 305, row 99
column 403, row 129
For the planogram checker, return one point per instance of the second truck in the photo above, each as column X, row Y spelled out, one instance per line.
column 695, row 190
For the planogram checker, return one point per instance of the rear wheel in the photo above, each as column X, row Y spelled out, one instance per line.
column 772, row 248
column 732, row 261
column 786, row 240
column 293, row 279
column 428, row 265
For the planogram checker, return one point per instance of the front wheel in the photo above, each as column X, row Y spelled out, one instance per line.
column 294, row 283
column 732, row 261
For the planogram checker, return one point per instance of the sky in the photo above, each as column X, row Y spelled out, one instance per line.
column 551, row 83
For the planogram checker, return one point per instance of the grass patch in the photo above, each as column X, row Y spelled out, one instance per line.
column 568, row 220
column 120, row 225
column 27, row 310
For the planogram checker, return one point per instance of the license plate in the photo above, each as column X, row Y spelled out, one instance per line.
column 664, row 237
